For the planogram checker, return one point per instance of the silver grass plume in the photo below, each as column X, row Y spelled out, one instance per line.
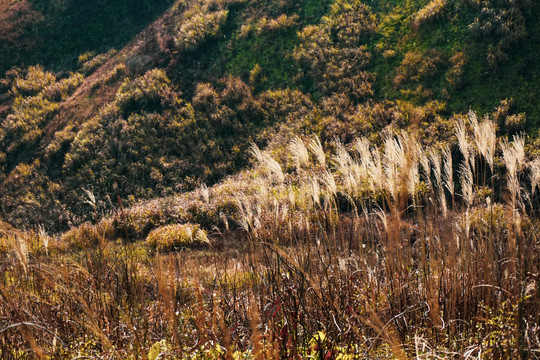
column 463, row 143
column 485, row 138
column 317, row 150
column 435, row 159
column 268, row 164
column 534, row 167
column 513, row 157
column 448, row 170
column 466, row 178
column 299, row 152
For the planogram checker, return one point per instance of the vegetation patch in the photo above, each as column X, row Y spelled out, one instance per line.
column 178, row 236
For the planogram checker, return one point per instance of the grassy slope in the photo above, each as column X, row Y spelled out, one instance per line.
column 483, row 87
column 71, row 29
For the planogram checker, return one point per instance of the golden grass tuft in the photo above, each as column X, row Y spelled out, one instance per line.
column 177, row 236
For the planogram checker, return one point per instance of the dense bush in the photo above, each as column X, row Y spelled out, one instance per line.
column 333, row 53
column 150, row 93
column 429, row 12
column 24, row 125
column 142, row 143
column 35, row 80
column 177, row 236
column 416, row 66
column 502, row 24
column 199, row 24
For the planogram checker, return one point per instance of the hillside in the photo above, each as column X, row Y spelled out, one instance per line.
column 342, row 178
column 218, row 76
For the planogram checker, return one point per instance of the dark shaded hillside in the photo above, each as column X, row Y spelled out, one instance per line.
column 55, row 33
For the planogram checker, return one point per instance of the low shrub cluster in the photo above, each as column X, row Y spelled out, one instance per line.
column 454, row 76
column 178, row 236
column 265, row 25
column 34, row 81
column 416, row 66
column 89, row 62
column 200, row 23
column 429, row 12
column 333, row 53
column 501, row 24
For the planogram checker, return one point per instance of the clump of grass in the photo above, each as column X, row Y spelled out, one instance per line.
column 429, row 12
column 199, row 24
column 83, row 236
column 90, row 62
column 177, row 236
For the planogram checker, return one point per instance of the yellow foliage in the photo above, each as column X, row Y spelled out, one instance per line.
column 177, row 236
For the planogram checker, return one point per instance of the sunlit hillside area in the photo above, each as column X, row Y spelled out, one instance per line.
column 270, row 179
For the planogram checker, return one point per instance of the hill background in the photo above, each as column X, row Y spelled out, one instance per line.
column 147, row 99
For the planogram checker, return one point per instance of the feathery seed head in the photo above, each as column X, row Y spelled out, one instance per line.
column 317, row 150
column 466, row 178
column 448, row 169
column 299, row 152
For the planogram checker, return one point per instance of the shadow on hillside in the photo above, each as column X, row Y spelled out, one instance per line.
column 59, row 31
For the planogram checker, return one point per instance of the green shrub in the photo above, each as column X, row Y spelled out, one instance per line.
column 429, row 12
column 490, row 219
column 150, row 93
column 498, row 327
column 35, row 81
column 417, row 66
column 350, row 22
column 333, row 52
column 199, row 24
column 89, row 63
column 177, row 236
column 23, row 125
